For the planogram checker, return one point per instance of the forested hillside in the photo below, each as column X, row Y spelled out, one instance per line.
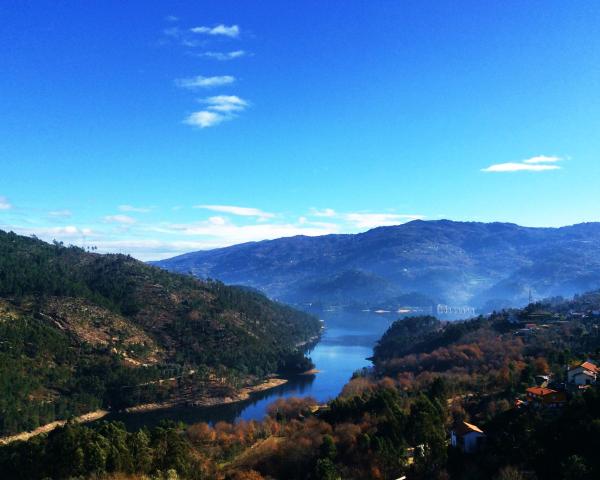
column 80, row 331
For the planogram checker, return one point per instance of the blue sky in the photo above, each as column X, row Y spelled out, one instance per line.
column 155, row 128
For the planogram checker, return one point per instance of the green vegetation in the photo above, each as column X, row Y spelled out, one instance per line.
column 390, row 421
column 81, row 331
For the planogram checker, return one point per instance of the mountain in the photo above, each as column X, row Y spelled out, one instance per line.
column 80, row 331
column 486, row 265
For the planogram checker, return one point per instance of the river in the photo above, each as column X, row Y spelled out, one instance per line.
column 346, row 344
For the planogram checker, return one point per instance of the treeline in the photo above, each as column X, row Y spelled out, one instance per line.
column 368, row 436
column 77, row 451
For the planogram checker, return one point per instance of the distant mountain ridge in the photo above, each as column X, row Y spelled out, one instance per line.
column 485, row 265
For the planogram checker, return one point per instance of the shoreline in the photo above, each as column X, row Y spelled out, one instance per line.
column 24, row 436
column 240, row 395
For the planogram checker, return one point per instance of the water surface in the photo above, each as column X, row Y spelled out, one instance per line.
column 346, row 344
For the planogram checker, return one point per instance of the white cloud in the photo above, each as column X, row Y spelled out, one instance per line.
column 542, row 159
column 204, row 119
column 122, row 219
column 219, row 108
column 232, row 31
column 224, row 56
column 228, row 233
column 5, row 204
column 326, row 212
column 131, row 208
column 225, row 103
column 200, row 81
column 217, row 226
column 65, row 233
column 372, row 220
column 60, row 213
column 171, row 18
column 540, row 163
column 519, row 167
column 240, row 211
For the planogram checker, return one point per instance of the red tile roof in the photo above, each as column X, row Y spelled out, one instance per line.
column 590, row 366
column 540, row 391
column 463, row 428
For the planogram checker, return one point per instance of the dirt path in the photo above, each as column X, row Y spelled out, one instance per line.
column 88, row 417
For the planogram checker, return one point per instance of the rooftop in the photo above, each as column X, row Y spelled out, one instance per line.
column 464, row 427
column 540, row 391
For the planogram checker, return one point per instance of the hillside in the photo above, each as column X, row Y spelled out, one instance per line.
column 486, row 265
column 81, row 331
column 394, row 420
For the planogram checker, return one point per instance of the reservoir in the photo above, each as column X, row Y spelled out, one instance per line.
column 346, row 344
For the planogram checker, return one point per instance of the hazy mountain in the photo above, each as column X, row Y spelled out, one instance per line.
column 457, row 263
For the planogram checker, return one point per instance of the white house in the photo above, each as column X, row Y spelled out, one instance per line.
column 467, row 437
column 584, row 374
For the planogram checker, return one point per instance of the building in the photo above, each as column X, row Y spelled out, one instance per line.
column 584, row 374
column 545, row 397
column 467, row 437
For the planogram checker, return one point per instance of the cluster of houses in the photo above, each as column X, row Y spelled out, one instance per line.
column 578, row 377
column 469, row 438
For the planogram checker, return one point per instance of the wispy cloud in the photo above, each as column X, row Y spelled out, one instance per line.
column 231, row 31
column 540, row 163
column 325, row 212
column 542, row 159
column 122, row 219
column 364, row 220
column 131, row 208
column 225, row 103
column 223, row 56
column 222, row 232
column 5, row 204
column 235, row 210
column 200, row 81
column 210, row 225
column 219, row 109
column 372, row 220
column 205, row 119
column 68, row 232
column 60, row 213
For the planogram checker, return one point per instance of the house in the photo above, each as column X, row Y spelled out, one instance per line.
column 545, row 397
column 467, row 437
column 584, row 374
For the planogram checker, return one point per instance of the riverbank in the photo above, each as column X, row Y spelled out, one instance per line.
column 23, row 436
column 210, row 401
column 239, row 396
